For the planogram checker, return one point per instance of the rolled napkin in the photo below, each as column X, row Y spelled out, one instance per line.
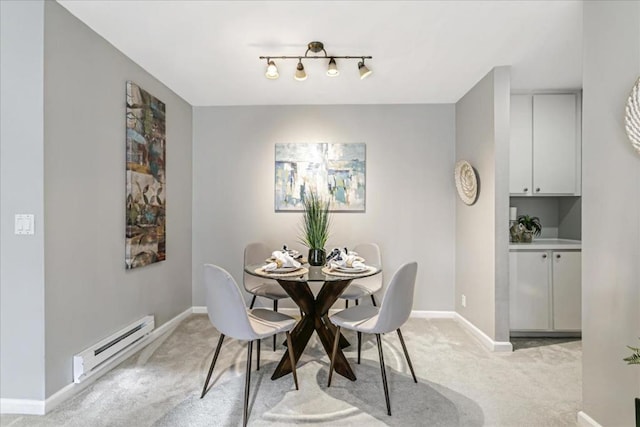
column 281, row 259
column 352, row 260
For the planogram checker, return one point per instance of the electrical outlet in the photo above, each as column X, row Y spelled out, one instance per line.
column 464, row 300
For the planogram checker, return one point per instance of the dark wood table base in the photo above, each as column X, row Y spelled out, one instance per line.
column 315, row 318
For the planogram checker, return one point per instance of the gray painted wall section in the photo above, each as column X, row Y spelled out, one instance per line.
column 502, row 132
column 409, row 177
column 481, row 262
column 611, row 213
column 21, row 180
column 89, row 294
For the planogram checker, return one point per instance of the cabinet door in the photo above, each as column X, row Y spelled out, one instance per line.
column 520, row 149
column 529, row 291
column 555, row 144
column 567, row 291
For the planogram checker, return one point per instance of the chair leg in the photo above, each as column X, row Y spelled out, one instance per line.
column 373, row 300
column 275, row 308
column 357, row 302
column 359, row 345
column 213, row 363
column 292, row 359
column 346, row 303
column 384, row 374
column 334, row 352
column 246, row 384
column 253, row 301
column 258, row 355
column 406, row 354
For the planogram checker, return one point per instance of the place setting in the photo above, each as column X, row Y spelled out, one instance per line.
column 345, row 263
column 283, row 263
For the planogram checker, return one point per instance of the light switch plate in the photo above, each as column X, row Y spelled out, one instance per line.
column 25, row 224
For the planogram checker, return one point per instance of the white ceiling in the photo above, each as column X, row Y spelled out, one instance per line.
column 423, row 51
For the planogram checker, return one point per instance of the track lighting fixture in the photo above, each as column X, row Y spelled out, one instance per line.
column 315, row 47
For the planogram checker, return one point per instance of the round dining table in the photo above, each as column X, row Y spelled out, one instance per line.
column 315, row 309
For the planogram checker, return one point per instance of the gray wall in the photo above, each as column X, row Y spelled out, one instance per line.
column 74, row 290
column 409, row 177
column 611, row 213
column 481, row 262
column 89, row 294
column 21, row 191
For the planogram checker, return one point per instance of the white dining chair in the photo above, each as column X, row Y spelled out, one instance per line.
column 393, row 312
column 229, row 315
column 255, row 253
column 367, row 286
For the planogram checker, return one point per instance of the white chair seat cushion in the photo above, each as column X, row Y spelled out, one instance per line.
column 269, row 290
column 361, row 318
column 356, row 291
column 268, row 322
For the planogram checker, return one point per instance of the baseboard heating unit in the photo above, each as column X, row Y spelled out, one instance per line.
column 94, row 357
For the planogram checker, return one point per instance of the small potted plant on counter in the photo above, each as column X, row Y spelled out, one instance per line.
column 315, row 227
column 525, row 228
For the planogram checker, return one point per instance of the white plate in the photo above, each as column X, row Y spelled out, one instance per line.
column 283, row 270
column 351, row 269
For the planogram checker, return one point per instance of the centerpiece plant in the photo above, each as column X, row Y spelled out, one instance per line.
column 315, row 227
column 634, row 359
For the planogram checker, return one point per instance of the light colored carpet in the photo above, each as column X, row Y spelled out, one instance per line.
column 459, row 384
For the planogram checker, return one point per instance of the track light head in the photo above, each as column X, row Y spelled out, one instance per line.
column 364, row 71
column 272, row 70
column 332, row 71
column 300, row 74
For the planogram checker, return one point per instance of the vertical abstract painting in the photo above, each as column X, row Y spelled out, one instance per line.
column 335, row 171
column 145, row 199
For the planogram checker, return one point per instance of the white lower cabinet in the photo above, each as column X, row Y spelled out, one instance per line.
column 545, row 291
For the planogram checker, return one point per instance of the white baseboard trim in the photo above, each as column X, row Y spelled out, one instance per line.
column 202, row 309
column 21, row 406
column 486, row 340
column 585, row 420
column 41, row 407
column 427, row 314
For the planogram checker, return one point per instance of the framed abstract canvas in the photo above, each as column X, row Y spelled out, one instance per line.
column 336, row 172
column 145, row 170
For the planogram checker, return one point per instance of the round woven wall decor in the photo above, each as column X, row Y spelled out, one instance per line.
column 466, row 182
column 632, row 116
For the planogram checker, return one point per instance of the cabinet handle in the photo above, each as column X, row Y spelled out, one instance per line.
column 544, row 255
column 557, row 255
column 538, row 190
column 525, row 190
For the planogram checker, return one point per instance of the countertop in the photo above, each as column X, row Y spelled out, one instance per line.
column 543, row 244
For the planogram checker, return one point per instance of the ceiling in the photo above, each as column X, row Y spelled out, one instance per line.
column 423, row 51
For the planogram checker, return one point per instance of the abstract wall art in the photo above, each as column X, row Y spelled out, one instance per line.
column 145, row 191
column 336, row 172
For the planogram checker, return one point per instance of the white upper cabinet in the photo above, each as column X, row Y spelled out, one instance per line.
column 521, row 145
column 545, row 145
